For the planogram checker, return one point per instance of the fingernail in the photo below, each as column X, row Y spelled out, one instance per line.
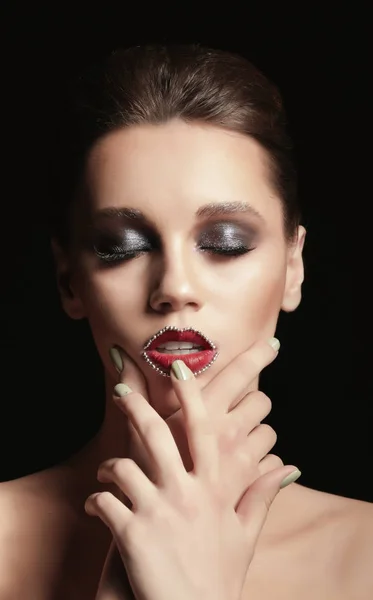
column 116, row 359
column 290, row 478
column 275, row 343
column 181, row 371
column 121, row 389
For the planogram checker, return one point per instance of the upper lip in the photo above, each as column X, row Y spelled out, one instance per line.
column 170, row 333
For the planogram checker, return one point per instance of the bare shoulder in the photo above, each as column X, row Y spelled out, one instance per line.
column 12, row 529
column 343, row 534
column 29, row 523
column 357, row 566
column 6, row 541
column 44, row 532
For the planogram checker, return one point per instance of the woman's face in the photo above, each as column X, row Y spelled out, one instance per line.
column 169, row 259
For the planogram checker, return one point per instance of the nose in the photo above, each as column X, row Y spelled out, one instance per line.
column 175, row 285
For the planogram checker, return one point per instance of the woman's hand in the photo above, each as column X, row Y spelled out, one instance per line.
column 184, row 535
column 234, row 411
column 234, row 414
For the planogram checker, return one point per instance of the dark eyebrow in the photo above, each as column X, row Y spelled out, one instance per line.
column 221, row 209
column 213, row 209
column 118, row 213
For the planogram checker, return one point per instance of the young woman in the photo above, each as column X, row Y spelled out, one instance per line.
column 176, row 233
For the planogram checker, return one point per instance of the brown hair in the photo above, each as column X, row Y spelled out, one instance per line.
column 155, row 83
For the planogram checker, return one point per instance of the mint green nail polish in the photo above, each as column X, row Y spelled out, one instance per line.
column 275, row 343
column 290, row 478
column 116, row 359
column 121, row 389
column 181, row 371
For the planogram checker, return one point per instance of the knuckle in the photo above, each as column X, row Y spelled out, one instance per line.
column 267, row 430
column 268, row 433
column 153, row 428
column 227, row 438
column 102, row 500
column 115, row 469
column 186, row 503
column 121, row 467
column 272, row 437
column 264, row 402
column 246, row 459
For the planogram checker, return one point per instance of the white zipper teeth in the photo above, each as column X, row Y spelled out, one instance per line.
column 179, row 351
column 173, row 328
column 178, row 346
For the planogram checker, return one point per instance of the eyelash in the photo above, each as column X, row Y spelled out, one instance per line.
column 238, row 250
column 118, row 255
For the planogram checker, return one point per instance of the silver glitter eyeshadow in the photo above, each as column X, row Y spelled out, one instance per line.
column 173, row 328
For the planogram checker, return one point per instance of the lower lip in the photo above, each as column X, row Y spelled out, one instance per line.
column 195, row 361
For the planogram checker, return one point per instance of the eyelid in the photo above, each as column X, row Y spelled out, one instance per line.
column 230, row 231
column 125, row 236
column 131, row 239
column 233, row 223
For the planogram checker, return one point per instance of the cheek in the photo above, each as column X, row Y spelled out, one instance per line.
column 255, row 296
column 110, row 302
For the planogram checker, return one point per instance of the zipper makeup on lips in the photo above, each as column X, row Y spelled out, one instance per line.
column 196, row 350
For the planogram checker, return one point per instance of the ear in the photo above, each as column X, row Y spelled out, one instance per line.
column 70, row 300
column 294, row 273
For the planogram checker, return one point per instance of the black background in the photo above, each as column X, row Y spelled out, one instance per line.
column 321, row 383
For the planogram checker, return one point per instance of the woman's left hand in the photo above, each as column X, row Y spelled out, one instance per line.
column 181, row 538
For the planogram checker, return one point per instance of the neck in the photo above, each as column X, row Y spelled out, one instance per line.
column 110, row 442
column 112, row 439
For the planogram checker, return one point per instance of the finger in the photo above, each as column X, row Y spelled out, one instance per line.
column 260, row 441
column 154, row 434
column 110, row 510
column 129, row 478
column 253, row 408
column 250, row 453
column 199, row 428
column 247, row 473
column 232, row 383
column 128, row 371
column 269, row 463
column 256, row 502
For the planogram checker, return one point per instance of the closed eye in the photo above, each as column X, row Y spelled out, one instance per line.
column 227, row 250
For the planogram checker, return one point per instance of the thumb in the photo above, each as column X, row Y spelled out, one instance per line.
column 254, row 506
column 129, row 372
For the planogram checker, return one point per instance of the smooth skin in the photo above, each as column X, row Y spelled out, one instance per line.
column 169, row 172
column 180, row 510
column 234, row 411
column 313, row 544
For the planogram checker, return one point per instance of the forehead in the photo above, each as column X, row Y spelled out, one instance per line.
column 176, row 167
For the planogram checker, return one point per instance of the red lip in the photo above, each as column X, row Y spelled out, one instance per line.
column 183, row 335
column 197, row 361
